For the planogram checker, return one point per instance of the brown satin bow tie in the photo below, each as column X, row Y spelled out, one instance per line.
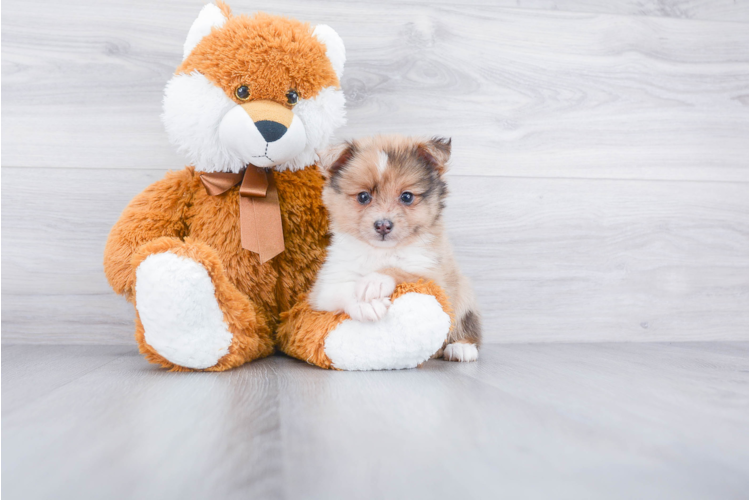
column 260, row 214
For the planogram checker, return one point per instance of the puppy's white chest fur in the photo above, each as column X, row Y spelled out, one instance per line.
column 348, row 255
column 350, row 259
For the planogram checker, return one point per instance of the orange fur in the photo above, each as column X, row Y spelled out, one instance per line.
column 251, row 295
column 279, row 53
column 303, row 331
column 224, row 8
column 271, row 55
column 251, row 335
column 157, row 211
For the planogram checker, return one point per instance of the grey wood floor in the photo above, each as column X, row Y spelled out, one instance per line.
column 562, row 421
column 599, row 186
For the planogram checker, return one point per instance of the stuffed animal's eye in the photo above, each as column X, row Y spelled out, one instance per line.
column 364, row 198
column 242, row 93
column 407, row 198
column 292, row 97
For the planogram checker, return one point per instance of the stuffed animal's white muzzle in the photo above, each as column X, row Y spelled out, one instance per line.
column 219, row 135
column 263, row 133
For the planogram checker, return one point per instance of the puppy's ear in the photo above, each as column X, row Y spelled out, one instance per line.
column 334, row 159
column 436, row 152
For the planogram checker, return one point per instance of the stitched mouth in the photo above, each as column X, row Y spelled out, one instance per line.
column 264, row 155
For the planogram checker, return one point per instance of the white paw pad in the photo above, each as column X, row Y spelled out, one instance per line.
column 414, row 328
column 461, row 352
column 176, row 302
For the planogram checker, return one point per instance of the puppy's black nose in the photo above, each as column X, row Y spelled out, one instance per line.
column 270, row 130
column 383, row 226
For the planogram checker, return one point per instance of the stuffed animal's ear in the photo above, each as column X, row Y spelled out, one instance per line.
column 211, row 16
column 334, row 47
column 436, row 152
column 335, row 158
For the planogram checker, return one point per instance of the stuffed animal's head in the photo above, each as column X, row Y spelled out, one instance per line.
column 254, row 89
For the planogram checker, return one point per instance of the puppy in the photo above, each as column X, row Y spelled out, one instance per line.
column 385, row 197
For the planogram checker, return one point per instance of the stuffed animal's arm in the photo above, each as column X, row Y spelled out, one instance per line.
column 156, row 212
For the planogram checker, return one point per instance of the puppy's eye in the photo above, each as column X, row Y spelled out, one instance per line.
column 242, row 93
column 407, row 198
column 292, row 97
column 364, row 198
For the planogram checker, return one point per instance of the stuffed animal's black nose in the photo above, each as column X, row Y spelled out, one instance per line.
column 270, row 130
column 383, row 226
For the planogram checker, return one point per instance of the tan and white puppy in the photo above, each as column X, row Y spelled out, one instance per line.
column 385, row 197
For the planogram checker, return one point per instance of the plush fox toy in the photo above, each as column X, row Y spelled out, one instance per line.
column 217, row 258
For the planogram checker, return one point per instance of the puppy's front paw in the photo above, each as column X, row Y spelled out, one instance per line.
column 374, row 286
column 460, row 351
column 373, row 310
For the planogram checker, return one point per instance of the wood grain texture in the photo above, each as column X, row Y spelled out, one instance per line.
column 591, row 421
column 25, row 382
column 551, row 259
column 600, row 153
column 523, row 92
column 717, row 10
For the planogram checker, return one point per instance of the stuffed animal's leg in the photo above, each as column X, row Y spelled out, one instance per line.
column 188, row 315
column 414, row 328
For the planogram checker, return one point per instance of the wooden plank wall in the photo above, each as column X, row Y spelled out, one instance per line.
column 600, row 172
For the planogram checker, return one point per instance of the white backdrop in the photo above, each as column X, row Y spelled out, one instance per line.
column 600, row 173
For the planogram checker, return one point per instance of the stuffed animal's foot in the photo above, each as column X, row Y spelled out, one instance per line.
column 189, row 316
column 461, row 351
column 177, row 305
column 413, row 329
